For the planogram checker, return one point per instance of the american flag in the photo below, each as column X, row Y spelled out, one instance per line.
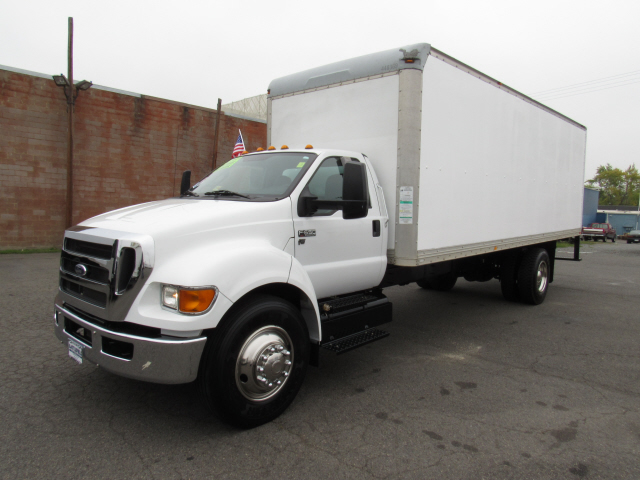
column 239, row 148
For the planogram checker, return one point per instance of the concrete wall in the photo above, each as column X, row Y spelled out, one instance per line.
column 128, row 149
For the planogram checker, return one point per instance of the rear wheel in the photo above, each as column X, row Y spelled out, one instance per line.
column 442, row 283
column 252, row 369
column 614, row 239
column 533, row 276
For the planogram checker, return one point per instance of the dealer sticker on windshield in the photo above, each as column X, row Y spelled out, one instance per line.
column 75, row 351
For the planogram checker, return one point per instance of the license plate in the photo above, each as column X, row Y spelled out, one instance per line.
column 75, row 351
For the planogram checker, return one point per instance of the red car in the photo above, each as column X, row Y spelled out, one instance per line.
column 597, row 231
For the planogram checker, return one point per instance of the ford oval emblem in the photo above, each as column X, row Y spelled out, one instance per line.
column 81, row 269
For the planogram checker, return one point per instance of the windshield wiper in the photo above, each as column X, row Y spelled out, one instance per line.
column 226, row 193
column 189, row 193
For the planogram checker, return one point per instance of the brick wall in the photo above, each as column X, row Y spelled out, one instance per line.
column 128, row 149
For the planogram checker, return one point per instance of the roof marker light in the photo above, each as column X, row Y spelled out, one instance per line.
column 271, row 148
column 259, row 149
column 284, row 147
column 309, row 147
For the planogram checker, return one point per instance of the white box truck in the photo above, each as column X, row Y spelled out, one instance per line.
column 401, row 166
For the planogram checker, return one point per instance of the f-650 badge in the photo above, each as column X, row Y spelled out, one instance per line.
column 306, row 233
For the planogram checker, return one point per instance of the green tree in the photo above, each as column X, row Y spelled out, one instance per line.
column 617, row 187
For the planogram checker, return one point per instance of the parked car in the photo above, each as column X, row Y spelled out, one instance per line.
column 633, row 236
column 597, row 231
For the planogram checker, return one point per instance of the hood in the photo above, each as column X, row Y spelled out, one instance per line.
column 180, row 218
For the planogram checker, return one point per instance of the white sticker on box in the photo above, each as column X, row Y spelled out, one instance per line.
column 405, row 209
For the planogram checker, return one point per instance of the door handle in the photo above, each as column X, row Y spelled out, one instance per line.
column 376, row 228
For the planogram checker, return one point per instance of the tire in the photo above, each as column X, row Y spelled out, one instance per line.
column 264, row 332
column 628, row 241
column 604, row 239
column 509, row 278
column 533, row 276
column 442, row 283
column 614, row 239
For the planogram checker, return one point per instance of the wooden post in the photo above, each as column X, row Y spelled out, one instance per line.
column 215, row 136
column 69, row 90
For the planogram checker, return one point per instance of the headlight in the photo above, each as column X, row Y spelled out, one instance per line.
column 189, row 300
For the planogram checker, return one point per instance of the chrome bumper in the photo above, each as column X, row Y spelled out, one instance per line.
column 158, row 360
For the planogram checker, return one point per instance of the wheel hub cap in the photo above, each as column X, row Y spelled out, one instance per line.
column 542, row 276
column 264, row 363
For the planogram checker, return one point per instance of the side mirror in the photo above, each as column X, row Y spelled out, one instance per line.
column 307, row 203
column 186, row 182
column 354, row 190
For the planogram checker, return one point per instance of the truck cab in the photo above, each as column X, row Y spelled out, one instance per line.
column 148, row 291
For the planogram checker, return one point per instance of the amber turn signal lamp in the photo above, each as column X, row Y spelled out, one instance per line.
column 196, row 301
column 284, row 147
column 308, row 147
column 271, row 148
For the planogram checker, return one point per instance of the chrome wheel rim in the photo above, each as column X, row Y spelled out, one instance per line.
column 264, row 363
column 542, row 276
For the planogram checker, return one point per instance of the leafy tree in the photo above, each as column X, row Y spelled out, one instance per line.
column 617, row 187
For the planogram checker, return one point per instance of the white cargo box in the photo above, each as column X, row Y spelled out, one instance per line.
column 467, row 165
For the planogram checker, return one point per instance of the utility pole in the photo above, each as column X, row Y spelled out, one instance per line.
column 215, row 136
column 70, row 102
column 71, row 91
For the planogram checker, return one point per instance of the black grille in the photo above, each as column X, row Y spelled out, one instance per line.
column 96, row 250
column 95, row 272
column 84, row 293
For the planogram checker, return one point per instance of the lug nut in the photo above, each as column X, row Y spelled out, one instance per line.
column 286, row 374
column 280, row 348
column 272, row 349
column 287, row 362
column 270, row 385
column 279, row 382
column 265, row 358
column 261, row 369
column 286, row 353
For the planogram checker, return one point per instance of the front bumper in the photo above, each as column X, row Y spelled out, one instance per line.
column 159, row 360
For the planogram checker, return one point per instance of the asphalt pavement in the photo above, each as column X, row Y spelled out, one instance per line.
column 468, row 386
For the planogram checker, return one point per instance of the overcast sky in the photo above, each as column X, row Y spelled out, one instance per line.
column 197, row 51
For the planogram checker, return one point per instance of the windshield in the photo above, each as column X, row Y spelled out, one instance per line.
column 261, row 176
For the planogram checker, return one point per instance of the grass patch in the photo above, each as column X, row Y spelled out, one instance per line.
column 563, row 244
column 31, row 250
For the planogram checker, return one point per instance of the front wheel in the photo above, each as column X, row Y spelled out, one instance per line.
column 533, row 276
column 253, row 368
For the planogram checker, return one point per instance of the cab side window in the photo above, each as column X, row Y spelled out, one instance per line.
column 326, row 183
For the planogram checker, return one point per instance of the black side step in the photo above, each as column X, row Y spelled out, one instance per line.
column 344, row 316
column 356, row 340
